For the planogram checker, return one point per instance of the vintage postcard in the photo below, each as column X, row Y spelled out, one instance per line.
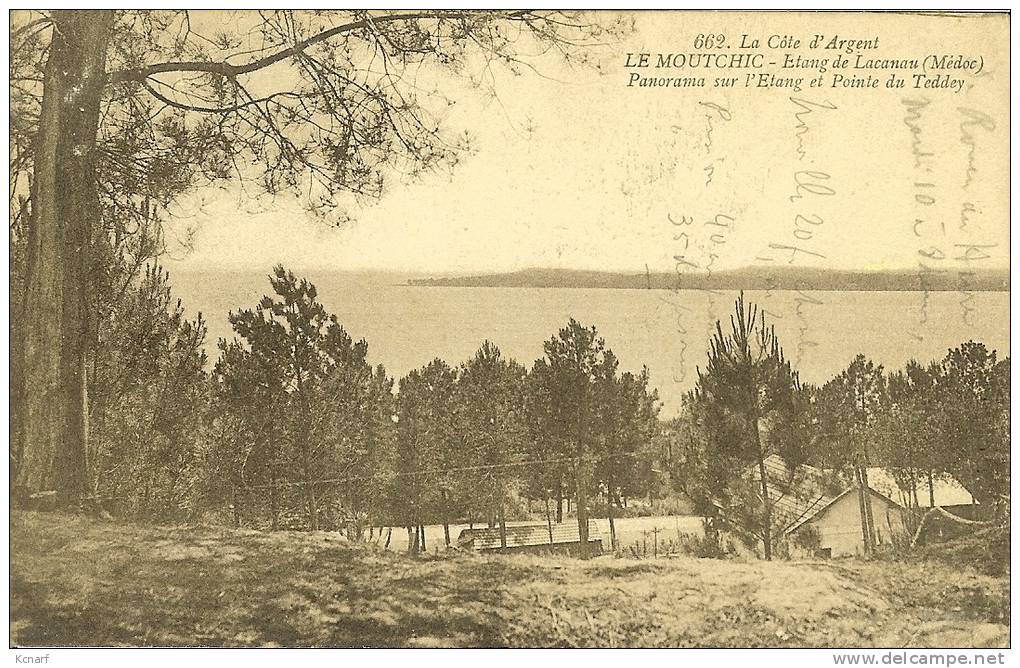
column 510, row 328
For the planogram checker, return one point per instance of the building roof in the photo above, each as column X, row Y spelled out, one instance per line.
column 948, row 491
column 819, row 511
column 803, row 494
column 525, row 536
column 796, row 495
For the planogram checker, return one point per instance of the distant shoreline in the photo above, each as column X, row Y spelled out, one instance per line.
column 752, row 278
column 410, row 284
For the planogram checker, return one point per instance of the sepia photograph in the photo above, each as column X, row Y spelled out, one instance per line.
column 493, row 328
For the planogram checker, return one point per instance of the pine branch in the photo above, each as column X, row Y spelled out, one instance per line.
column 225, row 69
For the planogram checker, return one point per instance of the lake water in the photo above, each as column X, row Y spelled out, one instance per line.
column 406, row 327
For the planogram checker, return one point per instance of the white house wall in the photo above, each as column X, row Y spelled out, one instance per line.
column 839, row 526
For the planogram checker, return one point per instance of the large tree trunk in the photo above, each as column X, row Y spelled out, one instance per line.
column 867, row 508
column 862, row 502
column 766, row 534
column 446, row 517
column 582, row 508
column 53, row 413
column 274, row 508
column 235, row 506
column 412, row 539
column 502, row 528
column 609, row 506
column 548, row 520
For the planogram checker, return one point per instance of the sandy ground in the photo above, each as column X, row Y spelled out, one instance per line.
column 79, row 581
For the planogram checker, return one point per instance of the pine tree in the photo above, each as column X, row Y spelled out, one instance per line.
column 746, row 386
column 626, row 424
column 853, row 401
column 491, row 422
column 973, row 396
column 313, row 410
column 426, row 435
column 118, row 115
column 565, row 409
column 148, row 393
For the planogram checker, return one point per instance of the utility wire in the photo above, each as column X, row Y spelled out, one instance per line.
column 428, row 472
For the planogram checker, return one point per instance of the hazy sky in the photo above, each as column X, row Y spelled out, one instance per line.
column 605, row 167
